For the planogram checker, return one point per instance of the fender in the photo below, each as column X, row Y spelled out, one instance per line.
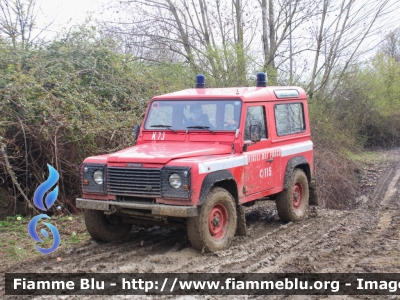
column 292, row 164
column 210, row 180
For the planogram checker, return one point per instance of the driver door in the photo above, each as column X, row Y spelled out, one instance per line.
column 259, row 172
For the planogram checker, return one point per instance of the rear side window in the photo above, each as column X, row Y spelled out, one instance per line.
column 289, row 118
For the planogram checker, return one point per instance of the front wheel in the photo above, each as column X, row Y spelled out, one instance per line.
column 215, row 226
column 105, row 228
column 292, row 203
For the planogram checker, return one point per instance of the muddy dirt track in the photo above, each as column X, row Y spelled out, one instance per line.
column 365, row 239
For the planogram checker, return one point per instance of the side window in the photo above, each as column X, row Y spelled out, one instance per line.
column 289, row 118
column 255, row 116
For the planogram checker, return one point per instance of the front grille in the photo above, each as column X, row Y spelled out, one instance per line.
column 134, row 181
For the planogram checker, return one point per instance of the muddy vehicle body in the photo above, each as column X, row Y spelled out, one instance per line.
column 201, row 155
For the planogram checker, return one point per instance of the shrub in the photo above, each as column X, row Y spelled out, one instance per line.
column 67, row 100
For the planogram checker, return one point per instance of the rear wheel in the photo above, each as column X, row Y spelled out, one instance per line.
column 105, row 228
column 292, row 203
column 215, row 226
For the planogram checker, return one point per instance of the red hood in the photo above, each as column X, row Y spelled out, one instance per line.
column 164, row 152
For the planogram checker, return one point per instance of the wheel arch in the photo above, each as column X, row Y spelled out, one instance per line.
column 299, row 162
column 223, row 179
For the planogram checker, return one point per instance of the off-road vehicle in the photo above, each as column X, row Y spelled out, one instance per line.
column 201, row 155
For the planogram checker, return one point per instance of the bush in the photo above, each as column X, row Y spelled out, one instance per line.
column 67, row 100
column 362, row 112
column 335, row 172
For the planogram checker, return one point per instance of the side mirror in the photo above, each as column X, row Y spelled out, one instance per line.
column 136, row 130
column 255, row 133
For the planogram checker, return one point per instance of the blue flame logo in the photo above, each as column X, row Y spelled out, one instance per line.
column 49, row 201
column 44, row 187
column 32, row 231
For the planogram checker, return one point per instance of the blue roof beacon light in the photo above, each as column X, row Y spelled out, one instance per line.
column 200, row 82
column 261, row 81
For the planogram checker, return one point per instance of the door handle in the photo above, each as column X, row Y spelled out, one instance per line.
column 270, row 160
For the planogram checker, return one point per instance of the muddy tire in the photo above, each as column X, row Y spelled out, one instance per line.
column 215, row 226
column 292, row 203
column 105, row 228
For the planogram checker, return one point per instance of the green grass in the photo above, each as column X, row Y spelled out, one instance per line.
column 16, row 244
column 12, row 221
column 5, row 223
column 74, row 238
column 364, row 157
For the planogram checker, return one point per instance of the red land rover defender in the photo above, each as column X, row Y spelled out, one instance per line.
column 201, row 155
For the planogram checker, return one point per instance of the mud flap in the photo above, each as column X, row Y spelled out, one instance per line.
column 241, row 229
column 313, row 200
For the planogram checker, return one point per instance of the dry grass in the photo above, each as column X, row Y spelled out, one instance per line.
column 337, row 178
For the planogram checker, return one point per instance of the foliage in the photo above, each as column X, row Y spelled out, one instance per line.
column 70, row 99
column 362, row 112
column 384, row 76
column 368, row 103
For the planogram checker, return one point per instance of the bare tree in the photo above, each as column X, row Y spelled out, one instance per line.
column 344, row 33
column 18, row 20
column 216, row 37
column 279, row 18
column 391, row 44
column 208, row 35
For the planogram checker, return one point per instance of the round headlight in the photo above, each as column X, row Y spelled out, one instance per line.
column 98, row 177
column 175, row 181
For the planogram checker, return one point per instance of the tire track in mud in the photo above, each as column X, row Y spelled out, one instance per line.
column 332, row 252
column 382, row 186
column 344, row 238
column 387, row 204
column 254, row 254
column 101, row 257
column 369, row 228
column 309, row 243
column 129, row 256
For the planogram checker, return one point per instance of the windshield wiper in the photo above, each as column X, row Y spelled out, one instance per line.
column 199, row 127
column 163, row 126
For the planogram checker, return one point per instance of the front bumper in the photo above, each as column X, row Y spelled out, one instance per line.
column 156, row 209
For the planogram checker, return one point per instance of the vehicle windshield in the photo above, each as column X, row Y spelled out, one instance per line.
column 194, row 115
